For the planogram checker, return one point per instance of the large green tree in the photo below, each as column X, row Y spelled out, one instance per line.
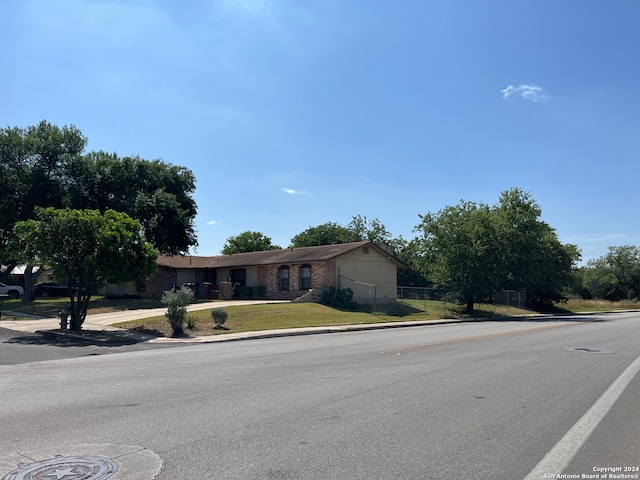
column 88, row 249
column 329, row 233
column 359, row 229
column 156, row 193
column 475, row 249
column 459, row 249
column 408, row 252
column 32, row 174
column 533, row 257
column 44, row 166
column 248, row 241
column 362, row 228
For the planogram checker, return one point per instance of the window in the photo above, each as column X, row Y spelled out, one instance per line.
column 365, row 250
column 238, row 276
column 283, row 278
column 305, row 277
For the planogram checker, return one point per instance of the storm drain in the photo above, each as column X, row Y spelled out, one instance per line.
column 66, row 468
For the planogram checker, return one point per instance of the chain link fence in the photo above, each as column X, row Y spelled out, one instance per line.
column 513, row 298
column 416, row 299
column 403, row 300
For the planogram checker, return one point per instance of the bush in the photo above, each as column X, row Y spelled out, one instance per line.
column 259, row 291
column 176, row 302
column 248, row 292
column 190, row 321
column 219, row 316
column 339, row 298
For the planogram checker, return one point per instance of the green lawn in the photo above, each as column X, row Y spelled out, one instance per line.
column 579, row 306
column 244, row 318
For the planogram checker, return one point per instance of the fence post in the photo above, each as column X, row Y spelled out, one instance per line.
column 424, row 294
column 375, row 296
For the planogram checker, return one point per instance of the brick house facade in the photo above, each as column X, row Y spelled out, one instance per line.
column 285, row 274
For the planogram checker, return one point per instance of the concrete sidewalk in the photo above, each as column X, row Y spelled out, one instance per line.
column 104, row 321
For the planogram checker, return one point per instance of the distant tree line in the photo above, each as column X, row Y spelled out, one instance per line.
column 615, row 276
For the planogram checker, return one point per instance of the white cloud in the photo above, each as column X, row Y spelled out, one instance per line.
column 528, row 91
column 211, row 222
column 292, row 191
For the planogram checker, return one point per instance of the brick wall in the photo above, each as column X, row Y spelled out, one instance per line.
column 322, row 277
column 164, row 279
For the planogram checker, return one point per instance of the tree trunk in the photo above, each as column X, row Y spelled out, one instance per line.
column 470, row 303
column 29, row 279
column 78, row 310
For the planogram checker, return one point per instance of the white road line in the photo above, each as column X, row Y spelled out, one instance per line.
column 559, row 456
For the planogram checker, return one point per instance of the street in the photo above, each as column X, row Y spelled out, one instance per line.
column 464, row 401
column 24, row 347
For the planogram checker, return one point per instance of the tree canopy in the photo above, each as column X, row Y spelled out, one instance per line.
column 248, row 241
column 617, row 274
column 475, row 249
column 156, row 193
column 359, row 229
column 87, row 249
column 458, row 250
column 32, row 174
column 45, row 166
column 363, row 229
column 329, row 233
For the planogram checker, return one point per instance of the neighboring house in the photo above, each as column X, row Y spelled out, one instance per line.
column 16, row 275
column 366, row 268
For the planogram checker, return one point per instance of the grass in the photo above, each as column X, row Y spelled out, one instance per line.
column 245, row 318
column 575, row 305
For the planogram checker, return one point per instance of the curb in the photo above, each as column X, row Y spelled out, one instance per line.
column 130, row 338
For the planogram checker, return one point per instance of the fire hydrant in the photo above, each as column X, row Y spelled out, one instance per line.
column 63, row 319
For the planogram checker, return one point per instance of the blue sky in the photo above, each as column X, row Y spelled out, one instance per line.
column 293, row 113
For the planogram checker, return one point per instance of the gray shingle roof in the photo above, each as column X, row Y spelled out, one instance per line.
column 269, row 257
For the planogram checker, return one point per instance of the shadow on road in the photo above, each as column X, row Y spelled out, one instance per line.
column 59, row 339
column 551, row 318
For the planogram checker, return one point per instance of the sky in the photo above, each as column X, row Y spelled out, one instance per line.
column 294, row 113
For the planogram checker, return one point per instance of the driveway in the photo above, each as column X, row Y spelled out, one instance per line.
column 103, row 321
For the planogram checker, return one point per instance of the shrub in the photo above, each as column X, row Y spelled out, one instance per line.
column 248, row 292
column 219, row 316
column 176, row 302
column 190, row 321
column 259, row 291
column 339, row 298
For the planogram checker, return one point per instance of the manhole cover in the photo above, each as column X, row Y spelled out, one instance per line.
column 86, row 467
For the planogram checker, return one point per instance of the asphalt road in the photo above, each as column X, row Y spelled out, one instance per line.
column 466, row 401
column 18, row 347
